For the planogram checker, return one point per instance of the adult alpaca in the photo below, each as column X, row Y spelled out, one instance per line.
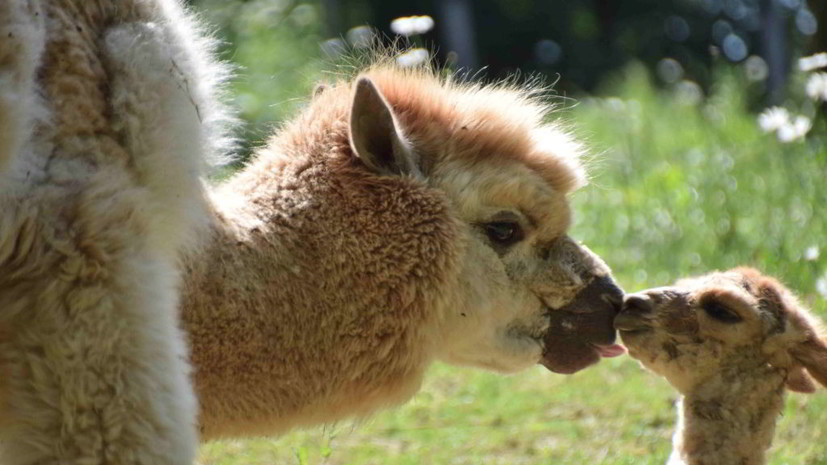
column 400, row 219
column 729, row 343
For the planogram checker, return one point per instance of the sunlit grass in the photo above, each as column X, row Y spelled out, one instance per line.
column 612, row 414
column 679, row 189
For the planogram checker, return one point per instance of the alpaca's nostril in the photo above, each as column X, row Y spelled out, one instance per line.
column 639, row 303
column 610, row 293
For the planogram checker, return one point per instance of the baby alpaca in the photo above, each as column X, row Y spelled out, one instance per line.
column 729, row 343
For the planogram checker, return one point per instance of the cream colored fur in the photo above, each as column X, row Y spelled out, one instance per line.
column 23, row 38
column 107, row 114
column 731, row 371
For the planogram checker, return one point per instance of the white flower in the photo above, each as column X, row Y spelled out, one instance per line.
column 413, row 57
column 819, row 60
column 423, row 24
column 821, row 286
column 794, row 130
column 412, row 25
column 811, row 253
column 817, row 86
column 773, row 118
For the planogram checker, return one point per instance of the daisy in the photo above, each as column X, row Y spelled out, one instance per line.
column 773, row 118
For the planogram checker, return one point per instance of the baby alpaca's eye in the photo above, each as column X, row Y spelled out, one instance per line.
column 504, row 233
column 718, row 311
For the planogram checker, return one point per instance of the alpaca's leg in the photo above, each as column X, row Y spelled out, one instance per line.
column 22, row 38
column 158, row 109
column 94, row 366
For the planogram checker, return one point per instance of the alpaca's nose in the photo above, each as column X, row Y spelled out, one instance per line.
column 636, row 314
column 638, row 303
column 609, row 292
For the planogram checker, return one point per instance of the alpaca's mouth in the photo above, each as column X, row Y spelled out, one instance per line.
column 632, row 327
column 626, row 322
column 581, row 333
column 631, row 320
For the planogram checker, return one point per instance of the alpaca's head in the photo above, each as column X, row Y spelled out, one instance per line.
column 527, row 293
column 733, row 321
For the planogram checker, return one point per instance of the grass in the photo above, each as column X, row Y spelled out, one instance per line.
column 680, row 188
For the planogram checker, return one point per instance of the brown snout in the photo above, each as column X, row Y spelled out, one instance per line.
column 636, row 313
column 582, row 330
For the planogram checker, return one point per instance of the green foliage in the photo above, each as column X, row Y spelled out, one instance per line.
column 274, row 45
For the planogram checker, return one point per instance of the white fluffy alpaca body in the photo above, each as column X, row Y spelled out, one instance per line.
column 106, row 114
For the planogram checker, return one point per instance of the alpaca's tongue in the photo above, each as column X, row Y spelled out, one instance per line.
column 613, row 350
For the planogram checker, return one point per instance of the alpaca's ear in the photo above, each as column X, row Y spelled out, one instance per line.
column 799, row 381
column 374, row 134
column 812, row 355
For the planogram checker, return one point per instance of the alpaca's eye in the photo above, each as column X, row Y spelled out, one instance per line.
column 720, row 312
column 504, row 233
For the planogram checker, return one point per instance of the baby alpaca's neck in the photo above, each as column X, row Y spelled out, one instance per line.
column 729, row 419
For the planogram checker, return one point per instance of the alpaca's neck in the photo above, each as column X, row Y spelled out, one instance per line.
column 729, row 419
column 305, row 306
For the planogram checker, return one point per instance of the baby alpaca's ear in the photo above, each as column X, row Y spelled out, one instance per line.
column 809, row 356
column 812, row 354
column 799, row 381
column 374, row 133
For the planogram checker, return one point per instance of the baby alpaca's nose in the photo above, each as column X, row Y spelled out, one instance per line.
column 638, row 303
column 636, row 314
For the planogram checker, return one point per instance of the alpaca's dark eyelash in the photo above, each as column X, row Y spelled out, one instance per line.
column 718, row 311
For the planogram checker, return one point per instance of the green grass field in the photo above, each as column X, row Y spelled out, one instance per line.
column 678, row 188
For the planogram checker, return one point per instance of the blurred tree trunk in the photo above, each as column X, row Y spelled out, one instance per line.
column 819, row 8
column 774, row 49
column 456, row 23
column 332, row 18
